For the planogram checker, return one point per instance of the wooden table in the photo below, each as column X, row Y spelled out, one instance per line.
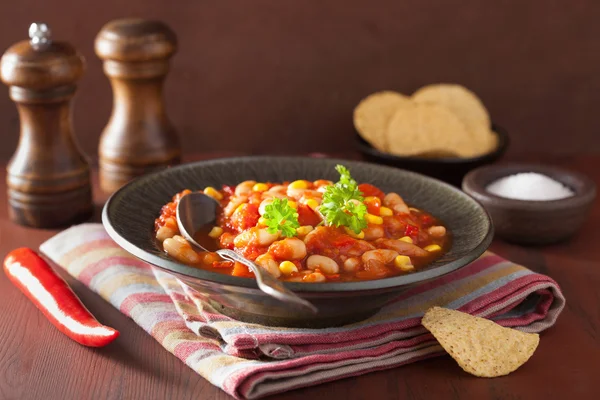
column 38, row 362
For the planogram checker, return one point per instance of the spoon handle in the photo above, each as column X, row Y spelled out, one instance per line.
column 268, row 283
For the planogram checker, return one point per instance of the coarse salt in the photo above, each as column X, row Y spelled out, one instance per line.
column 529, row 186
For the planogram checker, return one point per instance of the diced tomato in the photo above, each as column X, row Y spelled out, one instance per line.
column 255, row 198
column 307, row 216
column 246, row 216
column 240, row 269
column 229, row 190
column 166, row 211
column 222, row 264
column 226, row 240
column 369, row 190
column 373, row 205
column 281, row 251
column 342, row 241
column 412, row 231
column 426, row 221
column 251, row 252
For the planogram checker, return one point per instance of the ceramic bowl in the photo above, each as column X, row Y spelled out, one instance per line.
column 450, row 169
column 533, row 222
column 129, row 215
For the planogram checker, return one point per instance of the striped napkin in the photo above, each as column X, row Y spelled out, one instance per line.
column 250, row 361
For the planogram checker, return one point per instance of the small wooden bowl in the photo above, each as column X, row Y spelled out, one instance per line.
column 448, row 169
column 533, row 222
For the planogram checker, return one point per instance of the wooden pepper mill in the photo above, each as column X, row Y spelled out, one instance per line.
column 48, row 177
column 139, row 137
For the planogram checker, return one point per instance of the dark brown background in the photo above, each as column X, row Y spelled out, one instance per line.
column 269, row 75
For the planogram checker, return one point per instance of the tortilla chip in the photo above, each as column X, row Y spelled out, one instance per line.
column 480, row 346
column 457, row 99
column 427, row 128
column 465, row 105
column 373, row 114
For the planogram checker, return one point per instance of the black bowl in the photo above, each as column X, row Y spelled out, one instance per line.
column 129, row 215
column 451, row 169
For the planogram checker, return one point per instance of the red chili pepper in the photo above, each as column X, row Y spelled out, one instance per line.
column 55, row 299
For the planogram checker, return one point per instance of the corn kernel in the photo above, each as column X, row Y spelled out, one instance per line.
column 299, row 185
column 262, row 221
column 369, row 199
column 292, row 204
column 212, row 192
column 260, row 187
column 374, row 219
column 215, row 232
column 304, row 230
column 403, row 263
column 386, row 212
column 406, row 239
column 351, row 233
column 432, row 247
column 312, row 203
column 287, row 267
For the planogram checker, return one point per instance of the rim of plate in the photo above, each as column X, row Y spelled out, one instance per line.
column 355, row 286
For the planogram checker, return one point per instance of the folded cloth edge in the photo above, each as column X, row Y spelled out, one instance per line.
column 252, row 383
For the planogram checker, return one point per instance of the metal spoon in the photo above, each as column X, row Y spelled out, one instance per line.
column 194, row 211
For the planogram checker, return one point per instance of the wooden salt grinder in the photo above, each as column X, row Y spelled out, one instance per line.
column 139, row 137
column 48, row 178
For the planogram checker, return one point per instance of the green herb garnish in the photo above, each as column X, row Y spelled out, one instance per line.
column 280, row 216
column 343, row 204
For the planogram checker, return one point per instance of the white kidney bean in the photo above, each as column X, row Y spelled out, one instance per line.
column 395, row 202
column 383, row 256
column 314, row 277
column 374, row 231
column 437, row 231
column 267, row 262
column 271, row 196
column 180, row 251
column 402, row 247
column 263, row 205
column 351, row 264
column 234, row 203
column 164, row 232
column 295, row 193
column 256, row 236
column 280, row 189
column 325, row 264
column 181, row 240
column 288, row 249
column 244, row 188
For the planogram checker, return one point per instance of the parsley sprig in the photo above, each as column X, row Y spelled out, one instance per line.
column 343, row 204
column 280, row 216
